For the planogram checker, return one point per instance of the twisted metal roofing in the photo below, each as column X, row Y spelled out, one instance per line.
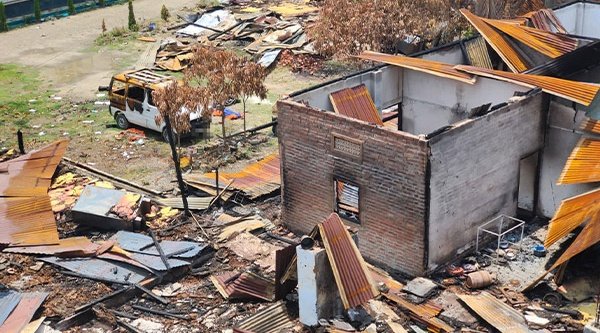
column 349, row 269
column 583, row 165
column 356, row 103
column 579, row 92
column 592, row 126
column 497, row 313
column 571, row 213
column 421, row 65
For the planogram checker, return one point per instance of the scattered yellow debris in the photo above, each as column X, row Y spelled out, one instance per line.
column 185, row 162
column 292, row 9
column 104, row 184
column 251, row 10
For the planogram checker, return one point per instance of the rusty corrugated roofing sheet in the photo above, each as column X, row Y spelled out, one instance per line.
column 548, row 43
column 74, row 246
column 497, row 42
column 273, row 319
column 545, row 19
column 589, row 236
column 571, row 213
column 255, row 180
column 498, row 314
column 421, row 65
column 356, row 102
column 232, row 285
column 580, row 92
column 423, row 313
column 583, row 165
column 24, row 312
column 25, row 212
column 592, row 126
column 351, row 274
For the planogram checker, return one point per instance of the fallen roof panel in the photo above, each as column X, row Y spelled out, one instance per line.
column 477, row 52
column 356, row 103
column 140, row 243
column 497, row 42
column 273, row 319
column 24, row 312
column 582, row 58
column 80, row 246
column 423, row 313
column 583, row 165
column 545, row 19
column 101, row 270
column 548, row 43
column 498, row 314
column 422, row 65
column 349, row 268
column 592, row 126
column 589, row 236
column 255, row 180
column 571, row 213
column 196, row 203
column 246, row 285
column 580, row 92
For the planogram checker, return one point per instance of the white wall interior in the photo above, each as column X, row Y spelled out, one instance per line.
column 580, row 18
column 527, row 175
column 475, row 173
column 562, row 136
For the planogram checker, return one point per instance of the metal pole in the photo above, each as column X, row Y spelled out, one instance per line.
column 20, row 141
column 177, row 167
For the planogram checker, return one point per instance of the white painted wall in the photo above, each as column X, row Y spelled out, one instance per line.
column 581, row 19
column 561, row 138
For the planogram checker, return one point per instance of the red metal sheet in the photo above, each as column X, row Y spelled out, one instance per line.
column 356, row 103
column 243, row 286
column 351, row 274
column 23, row 313
column 273, row 319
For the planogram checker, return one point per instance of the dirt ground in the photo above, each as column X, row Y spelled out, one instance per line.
column 63, row 50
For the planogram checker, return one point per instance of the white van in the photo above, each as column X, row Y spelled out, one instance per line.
column 130, row 95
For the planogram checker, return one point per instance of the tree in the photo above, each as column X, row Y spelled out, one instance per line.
column 37, row 10
column 3, row 24
column 132, row 22
column 217, row 75
column 348, row 27
column 103, row 26
column 164, row 13
column 71, row 7
column 173, row 103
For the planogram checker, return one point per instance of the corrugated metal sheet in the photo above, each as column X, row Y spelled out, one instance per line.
column 477, row 53
column 102, row 270
column 423, row 313
column 422, row 65
column 24, row 312
column 8, row 302
column 351, row 274
column 74, row 246
column 583, row 165
column 497, row 42
column 25, row 212
column 196, row 203
column 545, row 19
column 356, row 102
column 589, row 236
column 580, row 92
column 140, row 243
column 584, row 57
column 498, row 314
column 591, row 126
column 273, row 319
column 255, row 180
column 548, row 43
column 571, row 213
column 232, row 285
column 283, row 258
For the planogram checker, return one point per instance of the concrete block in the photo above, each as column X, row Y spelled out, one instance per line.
column 318, row 296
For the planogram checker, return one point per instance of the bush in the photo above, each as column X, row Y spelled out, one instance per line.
column 37, row 10
column 132, row 22
column 117, row 35
column 3, row 24
column 71, row 6
column 164, row 13
column 101, row 3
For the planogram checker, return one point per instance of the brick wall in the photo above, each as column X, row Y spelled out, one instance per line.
column 391, row 176
column 475, row 173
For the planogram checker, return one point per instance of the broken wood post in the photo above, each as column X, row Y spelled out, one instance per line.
column 151, row 294
column 163, row 257
column 186, row 208
column 219, row 194
column 20, row 141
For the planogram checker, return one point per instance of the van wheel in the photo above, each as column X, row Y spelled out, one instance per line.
column 122, row 121
column 165, row 135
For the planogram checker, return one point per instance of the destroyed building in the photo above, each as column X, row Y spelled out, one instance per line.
column 459, row 146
